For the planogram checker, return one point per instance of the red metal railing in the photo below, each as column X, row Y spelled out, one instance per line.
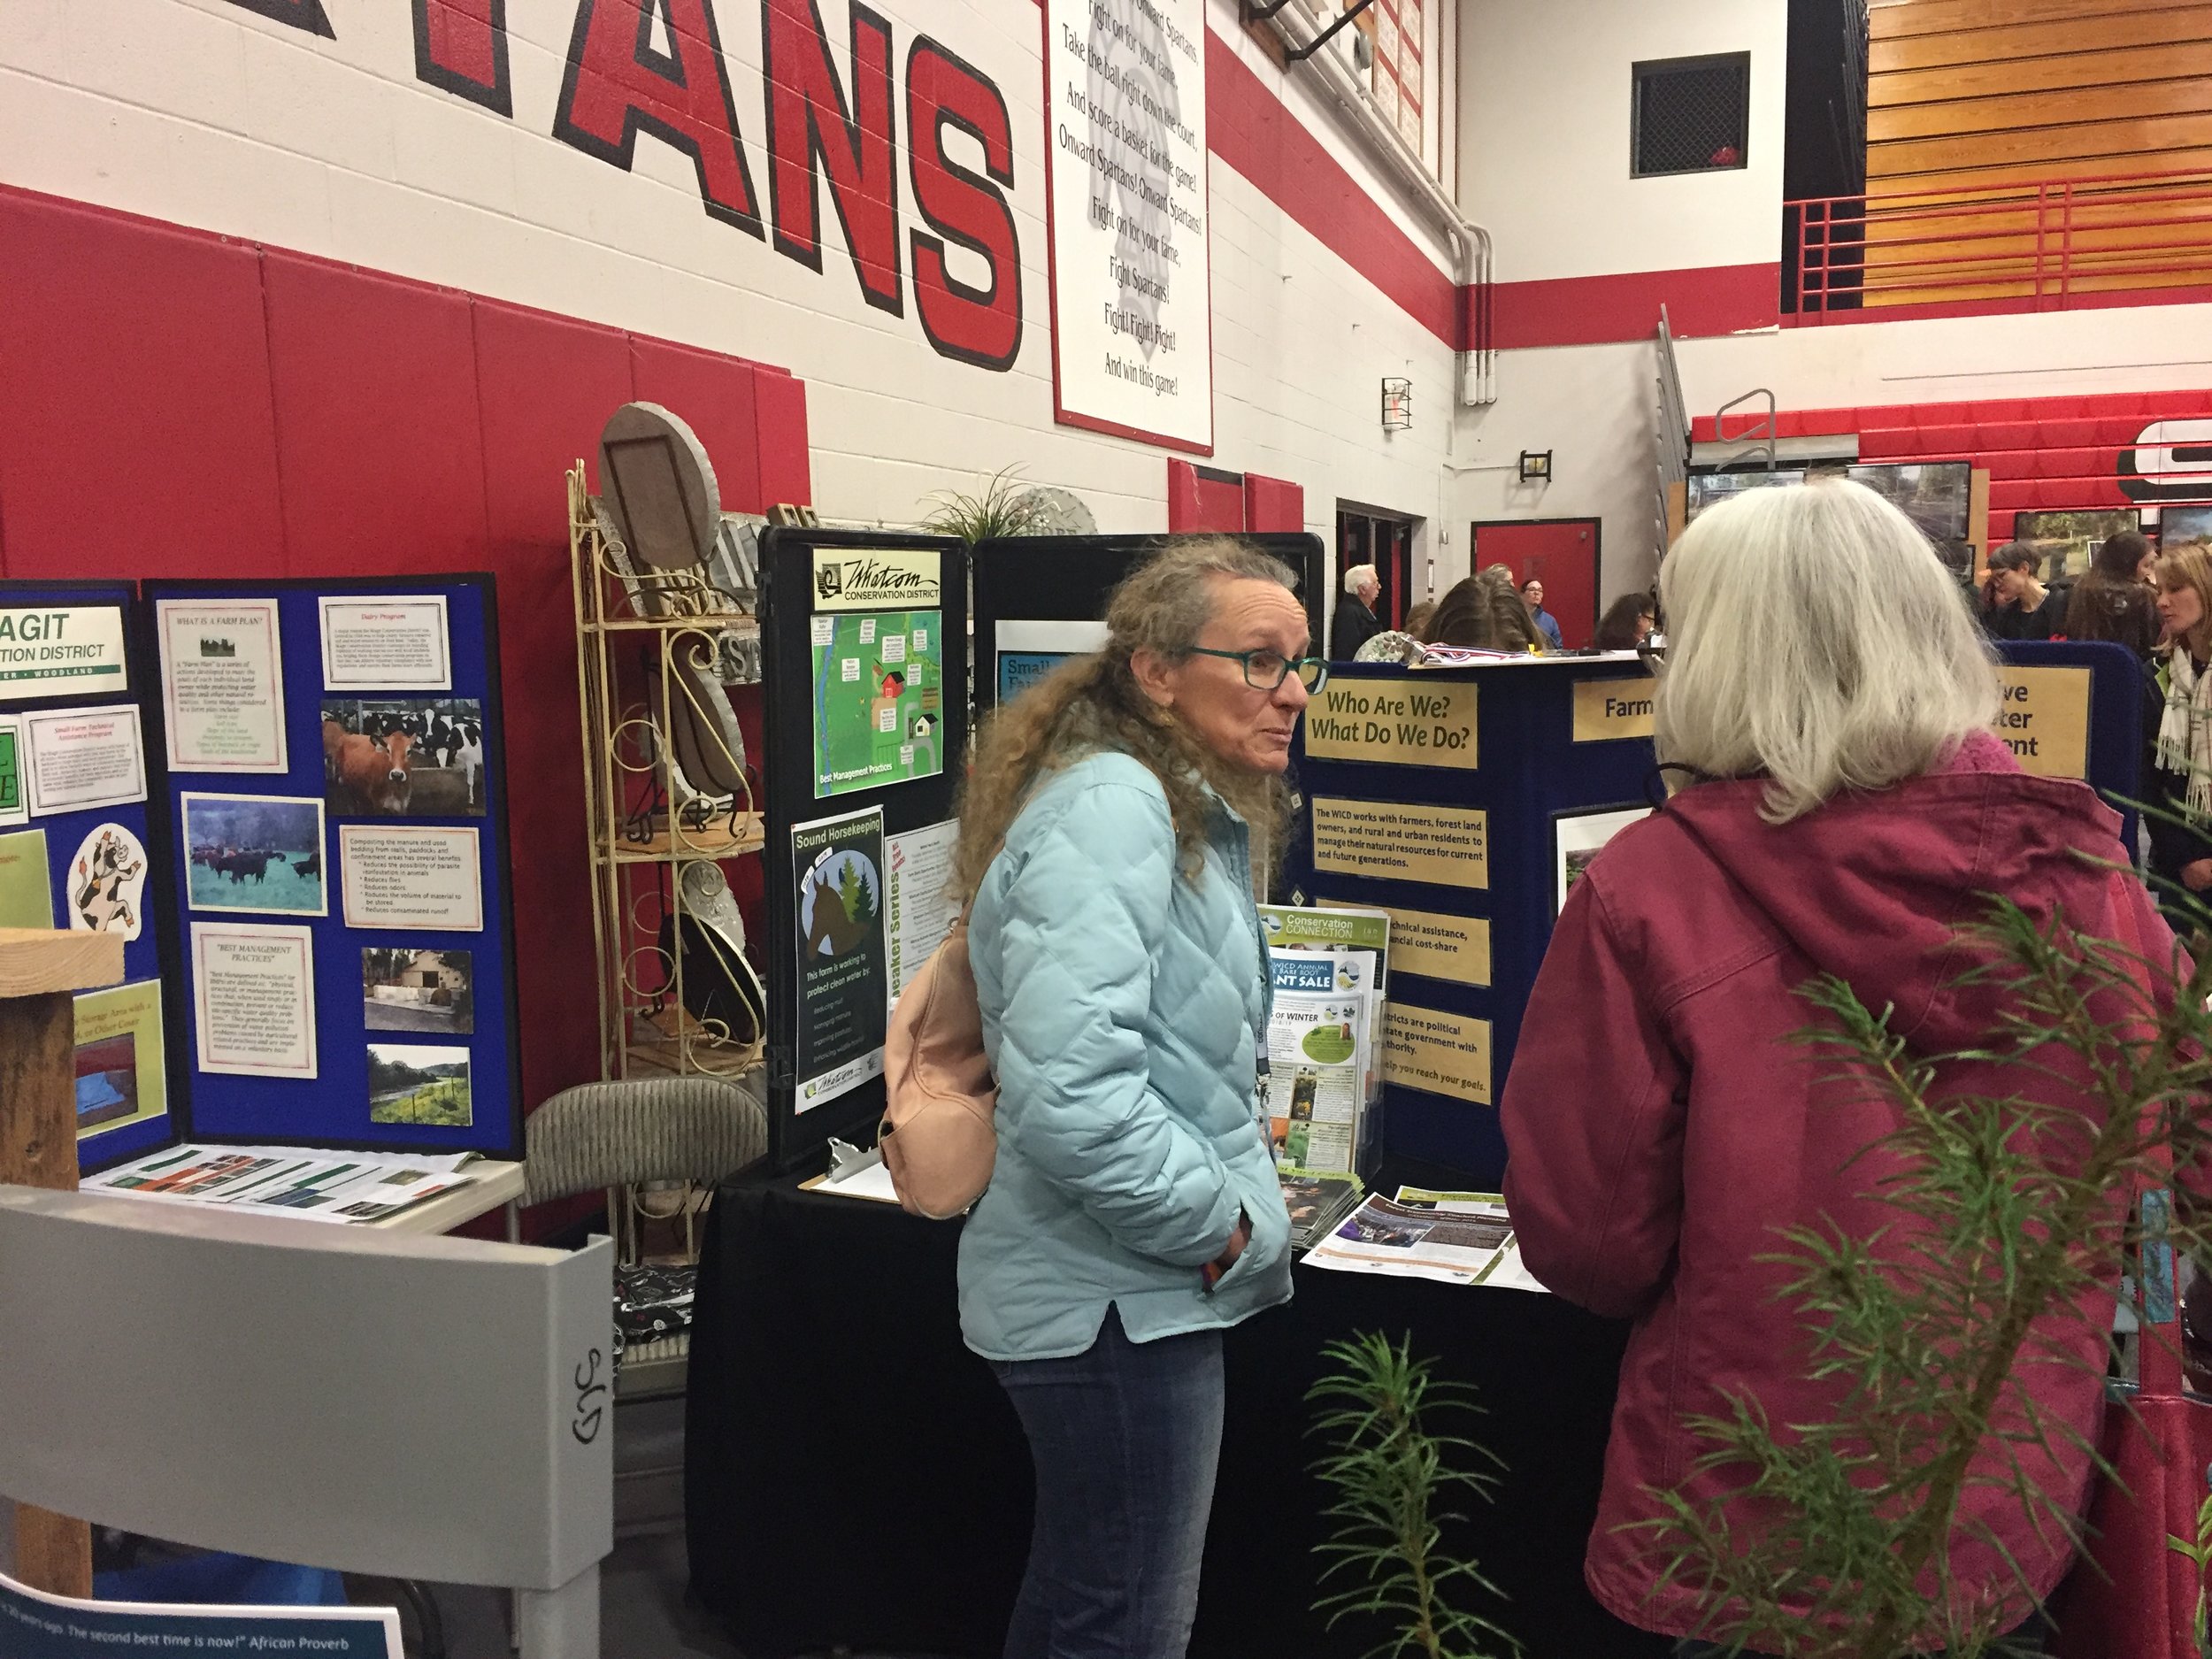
column 2044, row 244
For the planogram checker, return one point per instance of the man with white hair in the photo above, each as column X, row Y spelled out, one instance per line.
column 1355, row 621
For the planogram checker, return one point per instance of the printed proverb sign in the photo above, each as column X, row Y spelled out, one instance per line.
column 1391, row 723
column 2045, row 719
column 1437, row 1053
column 1608, row 709
column 1447, row 845
column 1126, row 85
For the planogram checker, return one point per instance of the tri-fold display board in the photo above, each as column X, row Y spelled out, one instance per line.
column 863, row 648
column 288, row 797
column 866, row 650
column 1465, row 801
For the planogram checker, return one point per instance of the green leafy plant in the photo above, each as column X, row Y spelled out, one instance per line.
column 1390, row 1473
column 1002, row 507
column 2200, row 1552
column 1928, row 1329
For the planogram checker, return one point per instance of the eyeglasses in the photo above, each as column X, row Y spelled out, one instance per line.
column 1265, row 670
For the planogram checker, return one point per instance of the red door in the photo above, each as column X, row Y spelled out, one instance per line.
column 1561, row 553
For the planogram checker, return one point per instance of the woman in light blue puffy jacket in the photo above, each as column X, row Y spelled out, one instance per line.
column 1107, row 837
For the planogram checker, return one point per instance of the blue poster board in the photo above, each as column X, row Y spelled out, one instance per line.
column 467, row 1006
column 83, row 660
column 114, row 840
column 1532, row 781
column 2123, row 706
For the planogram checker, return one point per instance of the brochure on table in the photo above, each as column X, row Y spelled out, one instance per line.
column 1323, row 1078
column 288, row 797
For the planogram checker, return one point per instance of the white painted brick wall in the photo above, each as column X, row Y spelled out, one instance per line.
column 201, row 113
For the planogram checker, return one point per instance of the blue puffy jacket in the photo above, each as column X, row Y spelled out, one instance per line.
column 1122, row 1010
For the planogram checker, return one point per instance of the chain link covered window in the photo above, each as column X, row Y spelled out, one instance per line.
column 1690, row 114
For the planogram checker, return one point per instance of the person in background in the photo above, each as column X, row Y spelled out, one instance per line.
column 2118, row 599
column 1840, row 820
column 1546, row 624
column 1355, row 621
column 2181, row 755
column 2016, row 604
column 1399, row 645
column 1627, row 623
column 1484, row 611
column 1108, row 837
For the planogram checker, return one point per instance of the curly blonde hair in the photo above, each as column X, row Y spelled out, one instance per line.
column 1094, row 702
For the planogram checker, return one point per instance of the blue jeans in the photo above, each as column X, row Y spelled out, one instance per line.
column 1125, row 1438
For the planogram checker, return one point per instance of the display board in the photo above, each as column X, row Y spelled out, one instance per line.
column 336, row 823
column 318, row 935
column 1464, row 802
column 1041, row 599
column 81, row 848
column 2080, row 710
column 864, row 662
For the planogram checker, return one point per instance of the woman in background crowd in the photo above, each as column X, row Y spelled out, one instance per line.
column 1627, row 623
column 1108, row 834
column 2016, row 604
column 1484, row 613
column 1546, row 624
column 1842, row 819
column 2118, row 599
column 2182, row 756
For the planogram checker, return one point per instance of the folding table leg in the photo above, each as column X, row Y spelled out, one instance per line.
column 561, row 1623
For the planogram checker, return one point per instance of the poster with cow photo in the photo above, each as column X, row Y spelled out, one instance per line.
column 404, row 756
column 262, row 853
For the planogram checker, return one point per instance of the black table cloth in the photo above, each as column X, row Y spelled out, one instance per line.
column 856, row 1480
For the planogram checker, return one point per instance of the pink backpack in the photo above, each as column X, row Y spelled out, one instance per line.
column 937, row 1137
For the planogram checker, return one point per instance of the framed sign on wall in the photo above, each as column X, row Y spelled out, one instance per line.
column 1126, row 204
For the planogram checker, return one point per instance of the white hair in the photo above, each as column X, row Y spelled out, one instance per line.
column 1813, row 637
column 1358, row 577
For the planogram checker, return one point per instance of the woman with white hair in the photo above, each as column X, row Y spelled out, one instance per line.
column 1356, row 622
column 1829, row 697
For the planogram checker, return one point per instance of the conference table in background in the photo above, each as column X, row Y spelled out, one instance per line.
column 854, row 1479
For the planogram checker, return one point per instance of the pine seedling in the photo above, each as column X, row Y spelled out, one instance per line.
column 1391, row 1474
column 1999, row 1210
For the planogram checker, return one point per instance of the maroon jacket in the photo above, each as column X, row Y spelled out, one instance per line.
column 1662, row 1127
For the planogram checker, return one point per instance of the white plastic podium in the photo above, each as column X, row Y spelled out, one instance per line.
column 339, row 1397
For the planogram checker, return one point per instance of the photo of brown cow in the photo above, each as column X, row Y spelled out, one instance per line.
column 403, row 757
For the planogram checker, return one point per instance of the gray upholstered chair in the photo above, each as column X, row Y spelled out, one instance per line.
column 635, row 1131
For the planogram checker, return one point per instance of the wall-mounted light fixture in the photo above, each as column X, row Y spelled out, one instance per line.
column 1536, row 466
column 1397, row 404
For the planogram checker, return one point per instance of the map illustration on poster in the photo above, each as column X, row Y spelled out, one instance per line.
column 878, row 699
column 842, row 1005
column 1131, row 337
